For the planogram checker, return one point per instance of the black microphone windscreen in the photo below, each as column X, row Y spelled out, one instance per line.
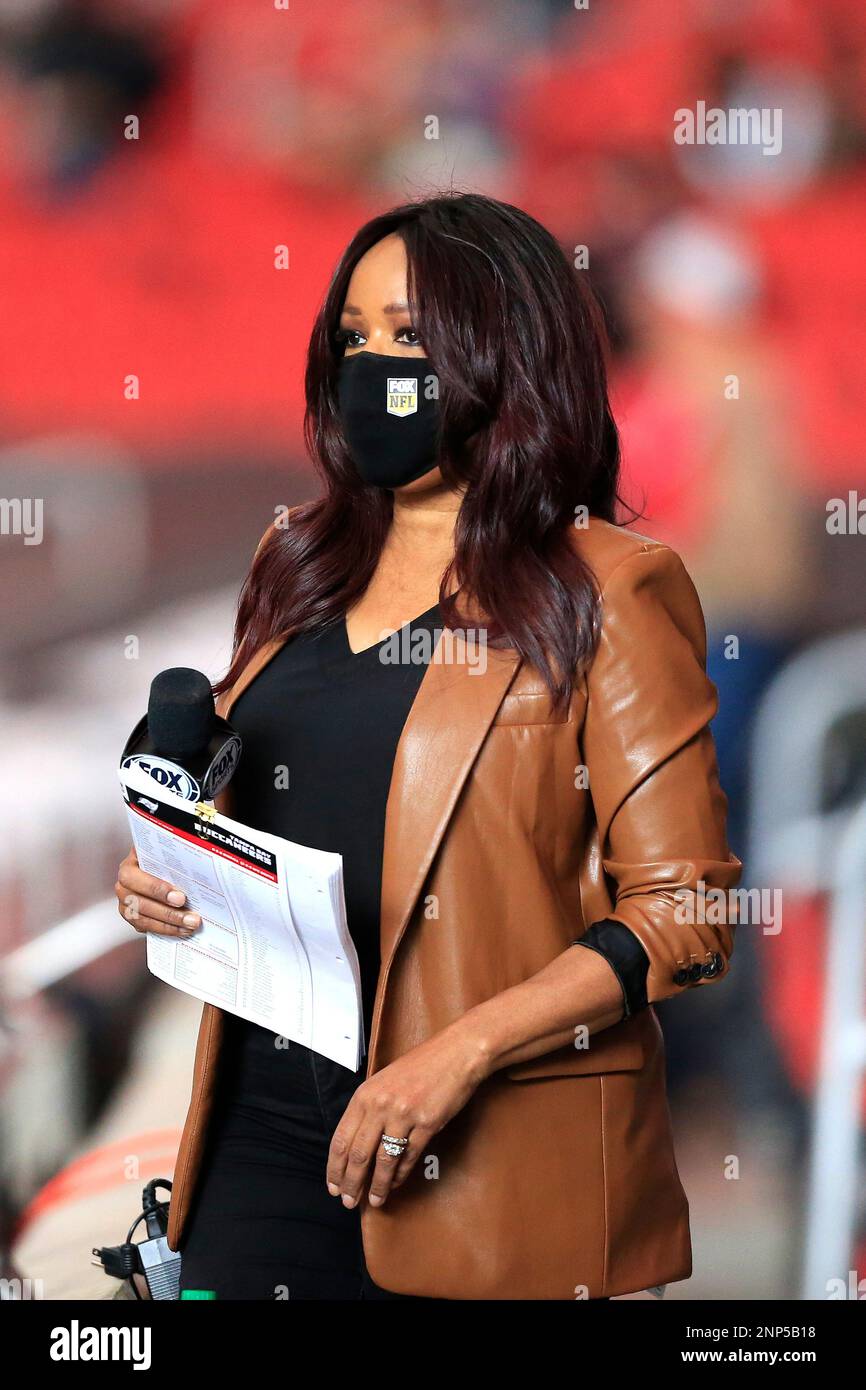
column 180, row 712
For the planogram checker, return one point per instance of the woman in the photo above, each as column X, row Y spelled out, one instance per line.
column 525, row 768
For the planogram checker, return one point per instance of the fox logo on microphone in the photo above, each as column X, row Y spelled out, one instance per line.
column 166, row 775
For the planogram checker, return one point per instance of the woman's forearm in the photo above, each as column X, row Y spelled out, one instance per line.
column 575, row 995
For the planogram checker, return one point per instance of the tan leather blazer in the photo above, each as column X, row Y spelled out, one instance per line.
column 558, row 1179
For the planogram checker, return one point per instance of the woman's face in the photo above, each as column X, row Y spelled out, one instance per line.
column 376, row 318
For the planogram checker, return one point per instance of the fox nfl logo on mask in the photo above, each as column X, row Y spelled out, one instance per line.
column 402, row 395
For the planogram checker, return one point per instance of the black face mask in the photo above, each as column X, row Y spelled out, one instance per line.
column 390, row 423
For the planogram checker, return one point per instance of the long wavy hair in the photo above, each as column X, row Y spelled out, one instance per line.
column 517, row 339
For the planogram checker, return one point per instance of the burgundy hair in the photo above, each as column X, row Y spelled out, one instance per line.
column 517, row 340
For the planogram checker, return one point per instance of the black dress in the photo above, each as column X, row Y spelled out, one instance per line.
column 320, row 726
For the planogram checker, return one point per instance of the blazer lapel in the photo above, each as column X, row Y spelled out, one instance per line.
column 447, row 724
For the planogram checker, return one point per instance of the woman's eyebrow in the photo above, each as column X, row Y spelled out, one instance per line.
column 399, row 307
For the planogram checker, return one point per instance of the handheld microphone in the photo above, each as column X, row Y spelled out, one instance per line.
column 182, row 743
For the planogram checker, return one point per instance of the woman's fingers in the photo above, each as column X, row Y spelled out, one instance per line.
column 352, row 1147
column 136, row 880
column 357, row 1144
column 151, row 904
column 147, row 915
column 391, row 1171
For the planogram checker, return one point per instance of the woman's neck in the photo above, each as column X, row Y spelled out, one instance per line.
column 423, row 524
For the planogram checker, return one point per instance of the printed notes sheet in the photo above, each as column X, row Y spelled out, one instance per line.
column 274, row 945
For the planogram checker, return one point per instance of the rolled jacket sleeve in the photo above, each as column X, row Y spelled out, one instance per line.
column 653, row 779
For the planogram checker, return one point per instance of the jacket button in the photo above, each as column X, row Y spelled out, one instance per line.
column 681, row 977
column 695, row 971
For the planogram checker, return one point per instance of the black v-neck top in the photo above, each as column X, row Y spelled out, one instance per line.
column 320, row 726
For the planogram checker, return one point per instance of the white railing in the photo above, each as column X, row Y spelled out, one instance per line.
column 795, row 843
column 832, row 1201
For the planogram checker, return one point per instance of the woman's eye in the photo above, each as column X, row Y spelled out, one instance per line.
column 348, row 337
column 410, row 336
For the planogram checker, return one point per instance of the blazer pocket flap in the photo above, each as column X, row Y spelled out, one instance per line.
column 613, row 1049
column 532, row 706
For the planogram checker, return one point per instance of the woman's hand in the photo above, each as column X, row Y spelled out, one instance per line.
column 412, row 1099
column 151, row 904
column 417, row 1095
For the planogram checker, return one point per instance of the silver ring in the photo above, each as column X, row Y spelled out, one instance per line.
column 393, row 1147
